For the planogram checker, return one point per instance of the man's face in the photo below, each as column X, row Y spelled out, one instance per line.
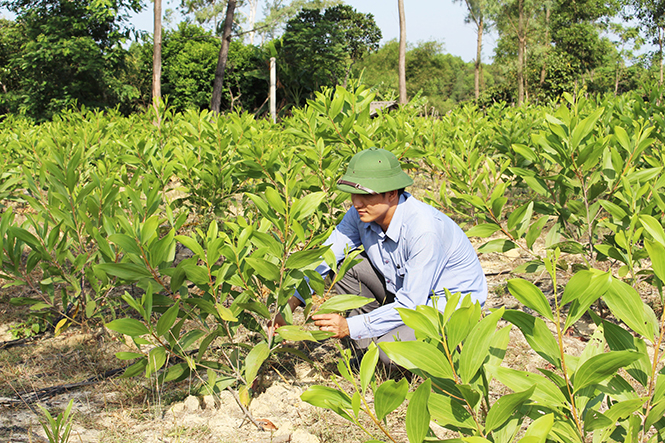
column 377, row 208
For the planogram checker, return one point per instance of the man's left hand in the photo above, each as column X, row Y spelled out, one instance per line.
column 334, row 323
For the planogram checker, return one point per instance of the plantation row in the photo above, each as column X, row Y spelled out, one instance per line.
column 95, row 205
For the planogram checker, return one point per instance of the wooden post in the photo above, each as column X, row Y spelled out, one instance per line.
column 273, row 90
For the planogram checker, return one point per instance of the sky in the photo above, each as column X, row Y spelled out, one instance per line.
column 426, row 20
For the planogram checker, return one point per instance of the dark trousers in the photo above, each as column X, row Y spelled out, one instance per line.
column 365, row 280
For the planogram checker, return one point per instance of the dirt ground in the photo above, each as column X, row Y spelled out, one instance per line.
column 118, row 410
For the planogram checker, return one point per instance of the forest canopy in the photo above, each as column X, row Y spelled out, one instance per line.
column 57, row 55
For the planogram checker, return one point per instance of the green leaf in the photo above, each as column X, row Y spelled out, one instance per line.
column 483, row 230
column 26, row 237
column 600, row 367
column 128, row 355
column 417, row 413
column 539, row 430
column 656, row 412
column 294, row 333
column 476, row 347
column 657, row 255
column 225, row 313
column 177, row 372
column 653, row 227
column 167, row 319
column 324, row 397
column 368, row 365
column 460, row 324
column 156, row 359
column 136, row 368
column 388, row 396
column 504, row 408
column 264, row 268
column 596, row 420
column 305, row 258
column 614, row 210
column 498, row 245
column 520, row 218
column 449, row 412
column 192, row 245
column 275, row 200
column 585, row 282
column 419, row 322
column 529, row 295
column 535, row 231
column 127, row 244
column 537, row 334
column 626, row 304
column 418, row 355
column 188, row 339
column 125, row 271
column 306, row 206
column 128, row 326
column 341, row 303
column 254, row 360
column 545, row 393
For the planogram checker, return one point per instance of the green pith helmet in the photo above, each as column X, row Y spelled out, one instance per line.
column 373, row 171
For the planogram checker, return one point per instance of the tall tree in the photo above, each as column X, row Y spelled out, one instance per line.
column 277, row 14
column 320, row 47
column 72, row 54
column 516, row 17
column 216, row 100
column 477, row 12
column 402, row 53
column 651, row 15
column 157, row 54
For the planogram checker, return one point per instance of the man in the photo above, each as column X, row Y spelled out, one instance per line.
column 412, row 252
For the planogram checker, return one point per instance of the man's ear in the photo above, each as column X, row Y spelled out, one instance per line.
column 394, row 196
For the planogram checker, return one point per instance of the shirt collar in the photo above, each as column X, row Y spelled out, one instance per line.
column 395, row 227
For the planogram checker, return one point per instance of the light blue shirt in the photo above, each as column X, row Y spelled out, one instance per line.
column 422, row 252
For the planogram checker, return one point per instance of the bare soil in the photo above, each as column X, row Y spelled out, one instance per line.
column 118, row 410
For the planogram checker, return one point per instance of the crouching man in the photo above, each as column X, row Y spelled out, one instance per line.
column 412, row 253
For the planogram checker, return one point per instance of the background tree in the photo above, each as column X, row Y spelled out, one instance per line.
column 651, row 15
column 477, row 11
column 443, row 79
column 319, row 48
column 277, row 14
column 576, row 32
column 515, row 17
column 157, row 53
column 216, row 100
column 402, row 53
column 70, row 54
column 11, row 41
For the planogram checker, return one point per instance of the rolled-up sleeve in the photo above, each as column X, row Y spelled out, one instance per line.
column 345, row 237
column 427, row 257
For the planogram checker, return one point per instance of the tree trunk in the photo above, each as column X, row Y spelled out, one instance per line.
column 479, row 48
column 402, row 53
column 253, row 4
column 520, row 53
column 543, row 69
column 216, row 100
column 660, row 53
column 157, row 54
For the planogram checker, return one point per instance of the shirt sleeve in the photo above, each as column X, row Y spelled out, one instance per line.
column 427, row 258
column 345, row 237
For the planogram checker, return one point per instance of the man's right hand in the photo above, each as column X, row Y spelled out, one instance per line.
column 279, row 321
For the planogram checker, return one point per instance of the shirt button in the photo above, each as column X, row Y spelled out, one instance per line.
column 386, row 261
column 387, row 281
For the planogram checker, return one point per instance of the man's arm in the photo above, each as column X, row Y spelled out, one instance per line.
column 426, row 261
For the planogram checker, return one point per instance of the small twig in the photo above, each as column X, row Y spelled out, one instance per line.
column 244, row 410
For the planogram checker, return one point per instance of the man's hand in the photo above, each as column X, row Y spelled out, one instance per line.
column 332, row 323
column 279, row 321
